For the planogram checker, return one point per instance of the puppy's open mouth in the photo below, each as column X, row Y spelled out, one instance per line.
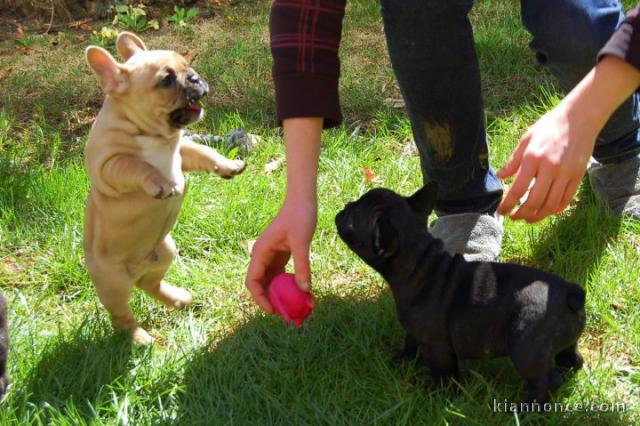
column 186, row 115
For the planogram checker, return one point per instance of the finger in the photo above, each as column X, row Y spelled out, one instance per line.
column 518, row 189
column 256, row 280
column 301, row 267
column 569, row 192
column 516, row 158
column 536, row 197
column 552, row 202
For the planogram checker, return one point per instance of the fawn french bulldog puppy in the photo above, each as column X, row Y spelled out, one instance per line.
column 135, row 158
column 453, row 309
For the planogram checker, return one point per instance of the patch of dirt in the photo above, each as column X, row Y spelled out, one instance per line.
column 46, row 16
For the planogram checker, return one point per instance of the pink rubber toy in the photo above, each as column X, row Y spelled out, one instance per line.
column 291, row 303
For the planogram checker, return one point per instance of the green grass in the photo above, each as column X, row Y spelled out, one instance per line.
column 222, row 361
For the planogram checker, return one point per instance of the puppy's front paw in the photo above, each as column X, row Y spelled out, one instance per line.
column 229, row 168
column 402, row 356
column 161, row 188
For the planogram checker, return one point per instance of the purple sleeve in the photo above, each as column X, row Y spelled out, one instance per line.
column 625, row 42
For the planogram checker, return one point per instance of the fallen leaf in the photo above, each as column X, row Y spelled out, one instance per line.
column 273, row 165
column 397, row 103
column 5, row 73
column 370, row 176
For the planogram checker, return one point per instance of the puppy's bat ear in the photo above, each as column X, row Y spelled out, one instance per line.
column 113, row 76
column 383, row 236
column 129, row 44
column 424, row 200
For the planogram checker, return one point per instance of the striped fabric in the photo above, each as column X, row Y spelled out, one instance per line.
column 625, row 42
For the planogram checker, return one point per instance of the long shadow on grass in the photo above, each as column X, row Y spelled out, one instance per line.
column 74, row 370
column 335, row 369
column 573, row 246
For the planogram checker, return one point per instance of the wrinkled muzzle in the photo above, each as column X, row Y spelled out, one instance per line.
column 192, row 90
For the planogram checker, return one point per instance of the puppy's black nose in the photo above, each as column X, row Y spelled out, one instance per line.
column 196, row 83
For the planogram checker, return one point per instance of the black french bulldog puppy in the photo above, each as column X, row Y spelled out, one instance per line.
column 453, row 309
column 4, row 346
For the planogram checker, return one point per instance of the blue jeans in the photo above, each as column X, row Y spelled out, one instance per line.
column 433, row 55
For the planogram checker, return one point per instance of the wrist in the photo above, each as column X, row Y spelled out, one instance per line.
column 590, row 117
column 301, row 201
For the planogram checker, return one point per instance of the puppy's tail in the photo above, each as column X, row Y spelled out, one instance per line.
column 576, row 298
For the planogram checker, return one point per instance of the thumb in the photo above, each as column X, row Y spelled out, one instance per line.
column 301, row 267
column 513, row 164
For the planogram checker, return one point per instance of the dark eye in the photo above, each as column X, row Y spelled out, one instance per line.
column 169, row 80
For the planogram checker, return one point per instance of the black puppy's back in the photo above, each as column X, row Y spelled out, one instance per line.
column 453, row 309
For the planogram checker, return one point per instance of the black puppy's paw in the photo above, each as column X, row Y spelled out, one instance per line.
column 555, row 380
column 569, row 358
column 445, row 384
column 402, row 356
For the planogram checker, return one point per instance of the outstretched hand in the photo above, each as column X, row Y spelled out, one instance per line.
column 289, row 234
column 549, row 162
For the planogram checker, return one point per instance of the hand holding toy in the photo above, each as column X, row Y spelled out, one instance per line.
column 291, row 303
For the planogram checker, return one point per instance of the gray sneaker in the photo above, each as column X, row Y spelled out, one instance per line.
column 476, row 236
column 618, row 185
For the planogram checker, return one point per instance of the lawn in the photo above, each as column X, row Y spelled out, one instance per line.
column 221, row 360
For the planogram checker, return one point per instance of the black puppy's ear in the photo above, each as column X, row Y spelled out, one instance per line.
column 383, row 236
column 423, row 201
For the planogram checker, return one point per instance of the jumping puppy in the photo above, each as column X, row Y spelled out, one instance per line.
column 135, row 159
column 452, row 309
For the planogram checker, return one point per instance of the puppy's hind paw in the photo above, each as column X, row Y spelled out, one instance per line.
column 569, row 358
column 176, row 297
column 140, row 337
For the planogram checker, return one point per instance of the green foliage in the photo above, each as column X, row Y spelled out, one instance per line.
column 105, row 38
column 181, row 17
column 221, row 361
column 134, row 18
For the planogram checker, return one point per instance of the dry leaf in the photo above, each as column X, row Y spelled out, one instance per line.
column 397, row 103
column 273, row 165
column 370, row 176
column 5, row 73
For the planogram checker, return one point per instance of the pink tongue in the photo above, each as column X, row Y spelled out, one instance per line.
column 194, row 106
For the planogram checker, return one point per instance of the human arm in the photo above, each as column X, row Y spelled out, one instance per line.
column 555, row 151
column 304, row 45
column 291, row 231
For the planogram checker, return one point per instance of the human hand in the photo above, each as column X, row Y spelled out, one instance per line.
column 289, row 234
column 555, row 152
